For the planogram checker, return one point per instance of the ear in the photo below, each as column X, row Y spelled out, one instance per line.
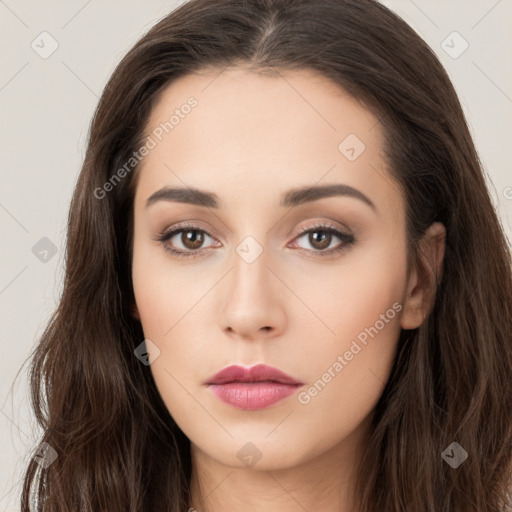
column 424, row 277
column 135, row 311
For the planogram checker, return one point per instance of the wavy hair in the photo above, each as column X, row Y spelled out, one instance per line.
column 451, row 377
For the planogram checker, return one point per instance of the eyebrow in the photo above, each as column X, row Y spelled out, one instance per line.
column 291, row 198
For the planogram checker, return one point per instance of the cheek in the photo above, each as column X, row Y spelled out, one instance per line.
column 168, row 301
column 160, row 291
column 346, row 385
column 352, row 296
column 163, row 307
column 168, row 315
column 349, row 373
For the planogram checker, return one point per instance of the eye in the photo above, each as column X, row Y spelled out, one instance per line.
column 190, row 237
column 321, row 236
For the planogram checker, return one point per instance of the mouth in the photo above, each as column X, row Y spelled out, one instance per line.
column 252, row 388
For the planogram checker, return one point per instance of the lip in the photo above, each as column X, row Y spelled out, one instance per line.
column 258, row 373
column 252, row 388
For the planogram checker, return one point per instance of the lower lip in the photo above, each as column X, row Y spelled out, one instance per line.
column 253, row 396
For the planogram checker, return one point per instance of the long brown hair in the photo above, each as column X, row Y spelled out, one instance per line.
column 118, row 447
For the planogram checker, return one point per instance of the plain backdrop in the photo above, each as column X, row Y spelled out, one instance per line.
column 46, row 105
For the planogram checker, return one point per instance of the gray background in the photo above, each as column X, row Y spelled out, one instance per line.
column 46, row 106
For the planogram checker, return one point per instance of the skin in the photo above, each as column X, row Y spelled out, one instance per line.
column 250, row 139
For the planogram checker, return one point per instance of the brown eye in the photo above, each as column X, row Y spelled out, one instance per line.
column 186, row 241
column 192, row 239
column 320, row 238
column 321, row 241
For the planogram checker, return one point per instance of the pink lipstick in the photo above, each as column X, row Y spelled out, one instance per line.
column 252, row 388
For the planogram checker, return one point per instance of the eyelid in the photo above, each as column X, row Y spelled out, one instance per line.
column 192, row 225
column 183, row 226
column 322, row 224
column 345, row 236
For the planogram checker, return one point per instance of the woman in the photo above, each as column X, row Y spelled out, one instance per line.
column 286, row 286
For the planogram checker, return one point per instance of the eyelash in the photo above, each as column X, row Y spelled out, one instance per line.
column 347, row 239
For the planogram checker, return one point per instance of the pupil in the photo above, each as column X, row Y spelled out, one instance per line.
column 194, row 238
column 322, row 241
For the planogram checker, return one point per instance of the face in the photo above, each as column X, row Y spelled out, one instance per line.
column 292, row 255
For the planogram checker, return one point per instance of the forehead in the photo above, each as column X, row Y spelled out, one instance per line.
column 261, row 134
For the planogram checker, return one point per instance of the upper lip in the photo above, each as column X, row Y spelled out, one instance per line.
column 258, row 373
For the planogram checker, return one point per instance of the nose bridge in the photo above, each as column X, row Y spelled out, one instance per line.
column 251, row 277
column 253, row 300
column 252, row 250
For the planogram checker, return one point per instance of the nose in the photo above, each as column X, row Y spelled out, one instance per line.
column 252, row 305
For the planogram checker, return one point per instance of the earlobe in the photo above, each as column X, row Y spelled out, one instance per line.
column 424, row 277
column 412, row 314
column 135, row 311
